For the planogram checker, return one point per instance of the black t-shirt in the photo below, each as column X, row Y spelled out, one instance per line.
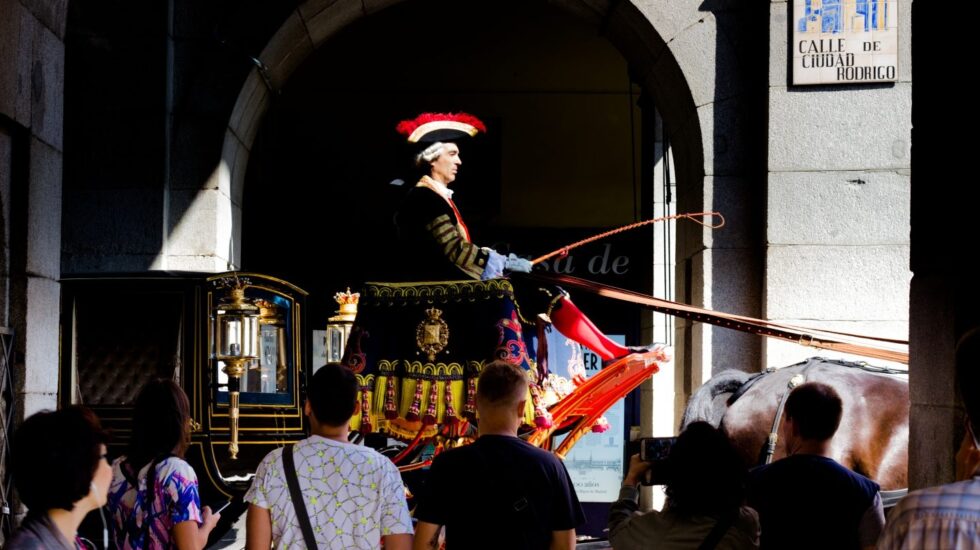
column 810, row 501
column 474, row 490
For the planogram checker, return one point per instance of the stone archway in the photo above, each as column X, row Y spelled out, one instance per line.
column 679, row 76
column 680, row 56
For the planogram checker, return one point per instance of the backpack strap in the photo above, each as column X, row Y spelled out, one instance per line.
column 721, row 527
column 296, row 496
column 131, row 474
column 501, row 473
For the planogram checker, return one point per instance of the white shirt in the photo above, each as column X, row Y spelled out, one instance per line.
column 354, row 495
column 441, row 188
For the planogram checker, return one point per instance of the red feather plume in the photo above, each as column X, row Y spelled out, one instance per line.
column 406, row 127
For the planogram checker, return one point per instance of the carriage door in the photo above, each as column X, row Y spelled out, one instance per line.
column 257, row 361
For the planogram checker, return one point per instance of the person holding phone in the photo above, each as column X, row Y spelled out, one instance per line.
column 705, row 486
column 154, row 495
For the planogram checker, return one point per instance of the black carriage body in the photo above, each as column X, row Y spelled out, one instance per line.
column 118, row 332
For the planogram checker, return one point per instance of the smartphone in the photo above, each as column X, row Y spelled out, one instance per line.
column 217, row 507
column 655, row 450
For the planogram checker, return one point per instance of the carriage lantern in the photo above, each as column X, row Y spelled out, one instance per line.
column 236, row 330
column 338, row 326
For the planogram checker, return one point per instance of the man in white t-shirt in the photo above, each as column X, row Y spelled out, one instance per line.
column 353, row 495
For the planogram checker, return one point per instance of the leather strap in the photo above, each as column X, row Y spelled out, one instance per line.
column 774, row 431
column 500, row 470
column 822, row 339
column 132, row 477
column 721, row 527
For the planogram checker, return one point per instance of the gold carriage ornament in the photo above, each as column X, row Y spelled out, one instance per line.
column 271, row 329
column 432, row 334
column 339, row 326
column 236, row 330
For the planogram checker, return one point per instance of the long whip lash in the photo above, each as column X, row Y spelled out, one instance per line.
column 563, row 251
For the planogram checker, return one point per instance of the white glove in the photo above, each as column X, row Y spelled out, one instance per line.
column 516, row 263
column 495, row 265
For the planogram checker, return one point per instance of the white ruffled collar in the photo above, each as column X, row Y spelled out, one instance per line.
column 441, row 188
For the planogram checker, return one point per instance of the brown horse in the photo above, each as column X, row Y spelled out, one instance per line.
column 874, row 431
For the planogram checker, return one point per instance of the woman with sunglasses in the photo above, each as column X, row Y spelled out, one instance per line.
column 61, row 473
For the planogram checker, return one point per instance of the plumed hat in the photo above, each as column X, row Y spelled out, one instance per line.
column 433, row 127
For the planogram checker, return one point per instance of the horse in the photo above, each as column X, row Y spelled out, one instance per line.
column 874, row 432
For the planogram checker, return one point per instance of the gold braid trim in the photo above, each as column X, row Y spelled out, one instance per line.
column 434, row 370
column 365, row 380
column 457, row 249
column 386, row 367
column 436, row 292
column 406, row 431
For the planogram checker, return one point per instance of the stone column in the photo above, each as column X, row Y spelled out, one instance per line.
column 837, row 218
column 32, row 55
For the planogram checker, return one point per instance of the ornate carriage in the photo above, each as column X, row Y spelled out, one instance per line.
column 239, row 345
column 418, row 348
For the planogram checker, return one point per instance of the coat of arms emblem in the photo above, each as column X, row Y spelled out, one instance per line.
column 432, row 334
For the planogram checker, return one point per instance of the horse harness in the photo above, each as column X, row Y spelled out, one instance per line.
column 774, row 431
column 888, row 498
column 792, row 384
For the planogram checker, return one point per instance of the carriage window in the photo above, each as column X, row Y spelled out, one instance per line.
column 266, row 379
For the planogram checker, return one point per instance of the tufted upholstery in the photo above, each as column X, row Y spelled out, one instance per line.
column 117, row 354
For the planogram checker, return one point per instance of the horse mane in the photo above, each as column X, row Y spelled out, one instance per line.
column 705, row 405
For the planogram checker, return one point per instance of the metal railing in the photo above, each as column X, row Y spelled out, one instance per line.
column 6, row 425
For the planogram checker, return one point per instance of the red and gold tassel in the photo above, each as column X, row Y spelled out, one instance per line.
column 430, row 409
column 366, row 426
column 450, row 416
column 413, row 411
column 469, row 409
column 390, row 409
column 542, row 418
column 600, row 425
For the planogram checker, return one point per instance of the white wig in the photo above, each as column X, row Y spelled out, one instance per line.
column 429, row 154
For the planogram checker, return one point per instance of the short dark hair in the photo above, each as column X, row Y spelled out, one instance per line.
column 333, row 394
column 968, row 374
column 160, row 422
column 705, row 474
column 501, row 383
column 55, row 455
column 816, row 410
